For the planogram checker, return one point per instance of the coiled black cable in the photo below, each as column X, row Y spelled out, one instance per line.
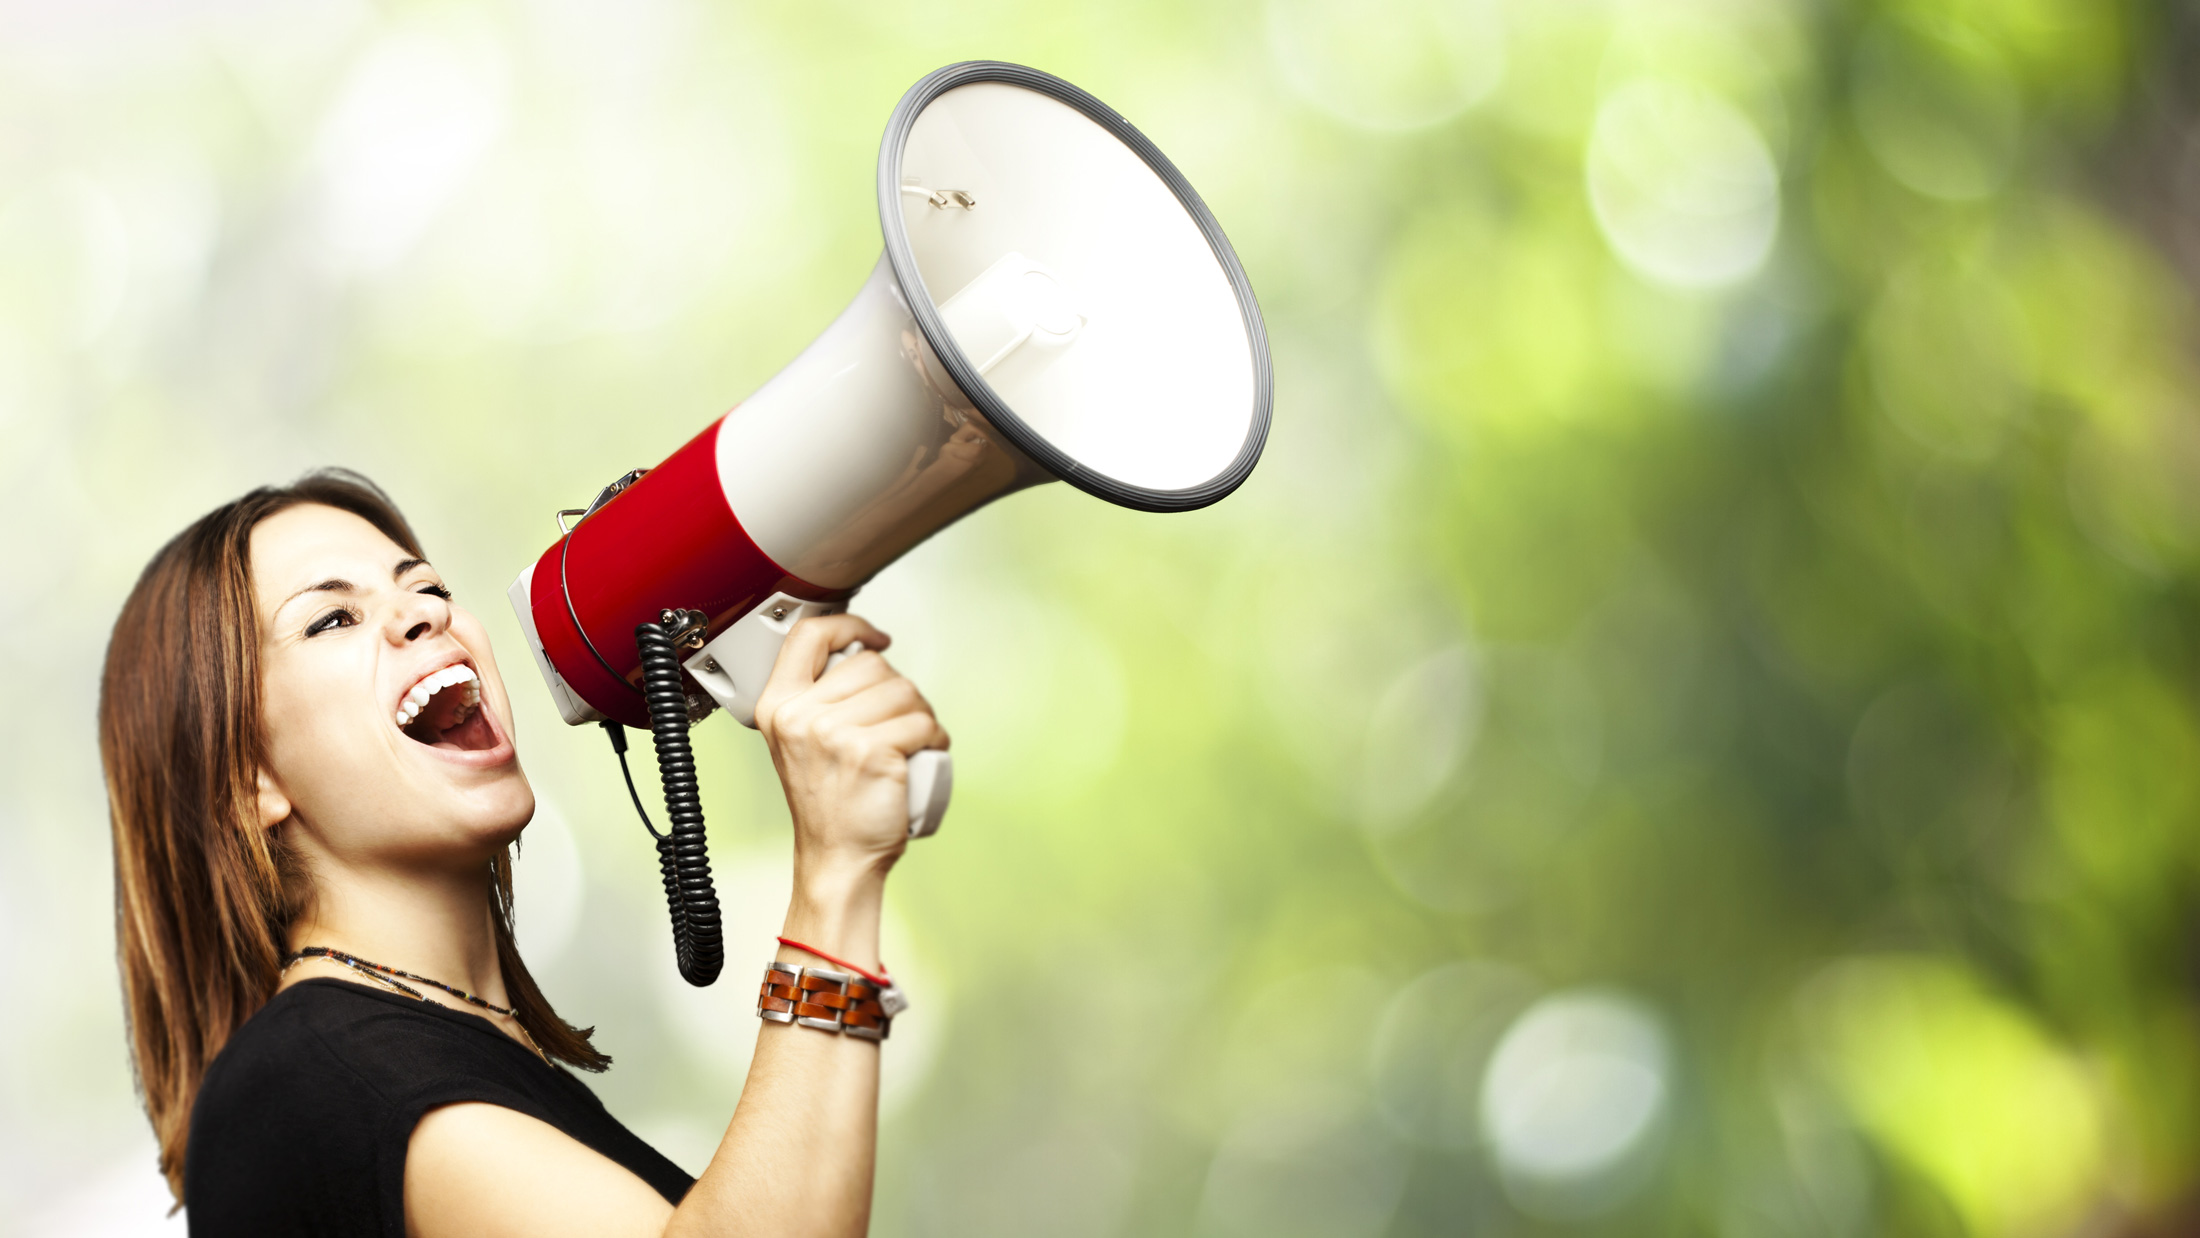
column 683, row 854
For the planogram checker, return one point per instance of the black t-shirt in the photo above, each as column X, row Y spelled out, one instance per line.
column 302, row 1121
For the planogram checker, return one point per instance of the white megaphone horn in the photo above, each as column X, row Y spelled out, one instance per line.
column 1054, row 303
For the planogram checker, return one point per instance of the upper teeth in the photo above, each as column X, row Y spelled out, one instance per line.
column 417, row 699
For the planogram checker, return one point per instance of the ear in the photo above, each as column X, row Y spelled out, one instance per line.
column 273, row 805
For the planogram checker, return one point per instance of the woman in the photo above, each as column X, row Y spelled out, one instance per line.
column 313, row 791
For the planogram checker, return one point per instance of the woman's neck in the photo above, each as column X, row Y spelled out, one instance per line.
column 432, row 925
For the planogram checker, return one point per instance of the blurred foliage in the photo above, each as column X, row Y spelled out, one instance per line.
column 1694, row 727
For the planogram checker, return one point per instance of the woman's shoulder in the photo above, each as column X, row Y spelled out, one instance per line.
column 285, row 1044
column 306, row 1110
column 290, row 1116
column 325, row 1034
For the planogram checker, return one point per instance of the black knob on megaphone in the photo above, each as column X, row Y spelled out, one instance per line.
column 1054, row 303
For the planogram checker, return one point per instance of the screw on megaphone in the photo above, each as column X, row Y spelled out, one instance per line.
column 943, row 198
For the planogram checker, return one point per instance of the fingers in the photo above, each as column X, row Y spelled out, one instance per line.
column 853, row 697
column 802, row 658
column 853, row 674
column 815, row 639
column 862, row 693
column 909, row 734
column 890, row 697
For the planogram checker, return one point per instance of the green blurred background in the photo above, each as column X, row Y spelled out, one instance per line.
column 1693, row 728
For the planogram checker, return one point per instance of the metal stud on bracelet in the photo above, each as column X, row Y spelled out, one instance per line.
column 820, row 998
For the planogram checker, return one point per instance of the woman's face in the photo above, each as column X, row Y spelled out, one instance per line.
column 388, row 732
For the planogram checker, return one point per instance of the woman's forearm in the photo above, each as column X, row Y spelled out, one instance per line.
column 798, row 1156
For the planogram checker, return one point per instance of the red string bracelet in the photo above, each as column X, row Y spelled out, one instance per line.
column 882, row 979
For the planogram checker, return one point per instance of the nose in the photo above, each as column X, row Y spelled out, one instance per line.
column 419, row 615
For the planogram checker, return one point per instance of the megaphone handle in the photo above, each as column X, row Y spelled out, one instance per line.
column 931, row 774
column 931, row 782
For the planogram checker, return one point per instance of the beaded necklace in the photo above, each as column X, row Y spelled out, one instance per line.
column 391, row 977
column 388, row 977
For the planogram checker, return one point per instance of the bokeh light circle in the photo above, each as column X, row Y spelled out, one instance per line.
column 1420, row 730
column 1431, row 1044
column 1389, row 64
column 1937, row 109
column 1519, row 793
column 1683, row 185
column 1950, row 358
column 1575, row 1092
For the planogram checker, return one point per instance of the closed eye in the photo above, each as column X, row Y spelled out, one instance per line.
column 437, row 590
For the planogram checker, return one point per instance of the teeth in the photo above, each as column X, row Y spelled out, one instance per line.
column 424, row 691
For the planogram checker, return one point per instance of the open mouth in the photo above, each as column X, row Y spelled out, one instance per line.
column 444, row 711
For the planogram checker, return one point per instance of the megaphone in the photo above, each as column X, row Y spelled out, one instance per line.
column 1054, row 303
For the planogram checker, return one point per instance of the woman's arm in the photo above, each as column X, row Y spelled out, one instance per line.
column 797, row 1158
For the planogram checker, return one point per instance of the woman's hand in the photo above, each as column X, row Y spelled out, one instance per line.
column 841, row 740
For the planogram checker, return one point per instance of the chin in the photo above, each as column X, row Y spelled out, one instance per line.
column 459, row 826
column 495, row 815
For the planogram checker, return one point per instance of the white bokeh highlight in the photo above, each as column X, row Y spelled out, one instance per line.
column 1389, row 64
column 1683, row 186
column 1431, row 1045
column 1572, row 1100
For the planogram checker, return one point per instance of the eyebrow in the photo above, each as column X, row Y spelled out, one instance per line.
column 335, row 584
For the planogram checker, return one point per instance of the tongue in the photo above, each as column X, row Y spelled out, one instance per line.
column 448, row 721
column 471, row 735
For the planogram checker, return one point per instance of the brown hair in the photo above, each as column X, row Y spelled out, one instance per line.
column 203, row 897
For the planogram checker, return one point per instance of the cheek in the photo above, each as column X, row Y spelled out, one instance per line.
column 475, row 638
column 316, row 724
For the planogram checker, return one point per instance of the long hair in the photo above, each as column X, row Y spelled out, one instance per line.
column 204, row 897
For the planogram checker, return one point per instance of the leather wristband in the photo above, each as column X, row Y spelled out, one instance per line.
column 820, row 998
